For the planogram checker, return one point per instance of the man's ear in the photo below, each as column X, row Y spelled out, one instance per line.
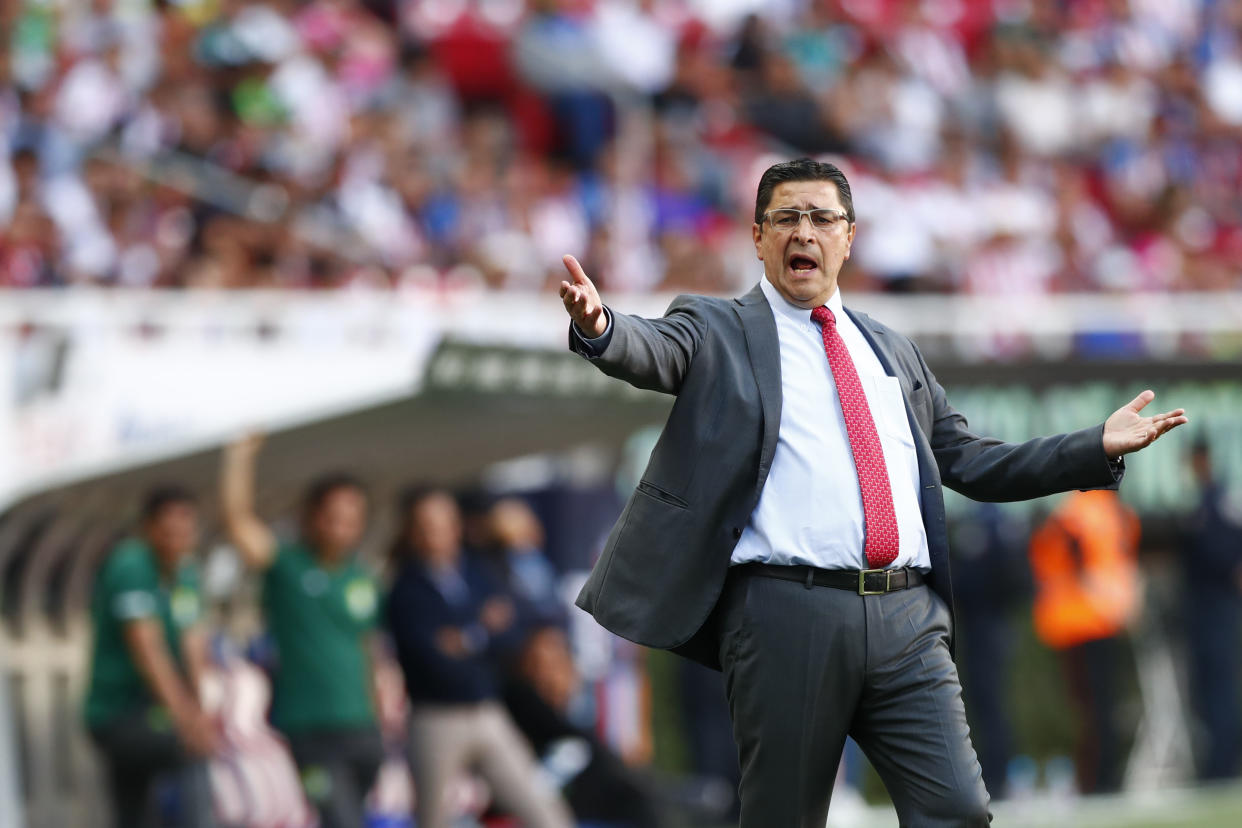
column 756, row 232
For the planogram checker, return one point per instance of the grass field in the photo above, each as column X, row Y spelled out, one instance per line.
column 1196, row 808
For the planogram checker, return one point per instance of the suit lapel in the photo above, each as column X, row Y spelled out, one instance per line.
column 930, row 499
column 763, row 348
column 876, row 339
column 879, row 342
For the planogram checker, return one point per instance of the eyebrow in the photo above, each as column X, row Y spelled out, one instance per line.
column 807, row 207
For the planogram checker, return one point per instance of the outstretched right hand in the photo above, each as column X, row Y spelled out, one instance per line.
column 582, row 301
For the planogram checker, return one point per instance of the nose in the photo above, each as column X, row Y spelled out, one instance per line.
column 805, row 230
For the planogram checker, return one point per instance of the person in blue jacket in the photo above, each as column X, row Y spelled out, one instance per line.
column 1212, row 562
column 449, row 623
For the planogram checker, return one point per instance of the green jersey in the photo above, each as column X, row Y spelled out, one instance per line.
column 130, row 587
column 320, row 618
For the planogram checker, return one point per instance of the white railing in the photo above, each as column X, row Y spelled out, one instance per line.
column 102, row 379
column 537, row 318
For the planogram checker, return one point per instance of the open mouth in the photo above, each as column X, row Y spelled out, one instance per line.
column 802, row 264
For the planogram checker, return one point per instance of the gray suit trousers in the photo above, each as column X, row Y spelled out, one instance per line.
column 804, row 667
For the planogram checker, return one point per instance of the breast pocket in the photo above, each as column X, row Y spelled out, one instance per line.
column 888, row 408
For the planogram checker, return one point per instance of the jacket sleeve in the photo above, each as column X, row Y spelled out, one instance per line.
column 987, row 469
column 412, row 619
column 653, row 354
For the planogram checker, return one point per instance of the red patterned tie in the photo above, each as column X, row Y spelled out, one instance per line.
column 880, row 542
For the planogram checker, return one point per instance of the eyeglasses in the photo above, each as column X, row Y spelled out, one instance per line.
column 821, row 219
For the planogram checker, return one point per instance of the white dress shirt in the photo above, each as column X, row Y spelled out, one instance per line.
column 810, row 511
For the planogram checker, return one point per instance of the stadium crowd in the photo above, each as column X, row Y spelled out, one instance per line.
column 1010, row 147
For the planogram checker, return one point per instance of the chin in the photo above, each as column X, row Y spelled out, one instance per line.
column 804, row 292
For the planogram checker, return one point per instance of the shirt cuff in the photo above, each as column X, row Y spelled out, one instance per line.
column 594, row 345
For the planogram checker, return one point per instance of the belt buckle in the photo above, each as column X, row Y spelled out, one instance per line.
column 862, row 581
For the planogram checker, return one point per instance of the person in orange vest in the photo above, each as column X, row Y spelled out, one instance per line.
column 1087, row 590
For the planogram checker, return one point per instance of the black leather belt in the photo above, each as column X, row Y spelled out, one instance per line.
column 862, row 581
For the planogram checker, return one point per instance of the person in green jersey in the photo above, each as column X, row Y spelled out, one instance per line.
column 149, row 652
column 321, row 608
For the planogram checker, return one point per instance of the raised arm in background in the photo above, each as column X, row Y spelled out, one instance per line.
column 253, row 539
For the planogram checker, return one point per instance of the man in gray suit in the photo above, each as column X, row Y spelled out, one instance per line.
column 790, row 529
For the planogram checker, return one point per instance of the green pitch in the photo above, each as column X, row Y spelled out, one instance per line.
column 1216, row 807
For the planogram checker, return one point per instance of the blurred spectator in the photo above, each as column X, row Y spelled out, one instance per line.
column 780, row 105
column 450, row 624
column 899, row 255
column 254, row 779
column 517, row 542
column 1212, row 563
column 1087, row 591
column 990, row 580
column 636, row 44
column 148, row 657
column 1035, row 98
column 540, row 696
column 555, row 52
column 321, row 607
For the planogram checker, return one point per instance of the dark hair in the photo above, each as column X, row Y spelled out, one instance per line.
column 160, row 496
column 413, row 495
column 319, row 489
column 803, row 169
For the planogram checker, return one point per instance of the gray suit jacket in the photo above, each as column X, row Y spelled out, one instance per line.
column 664, row 565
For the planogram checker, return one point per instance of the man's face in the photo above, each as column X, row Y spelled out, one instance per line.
column 1201, row 467
column 173, row 531
column 549, row 666
column 803, row 263
column 435, row 530
column 339, row 521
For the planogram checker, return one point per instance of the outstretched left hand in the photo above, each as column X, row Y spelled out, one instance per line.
column 1126, row 430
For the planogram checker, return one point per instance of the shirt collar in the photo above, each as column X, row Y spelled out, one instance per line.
column 801, row 315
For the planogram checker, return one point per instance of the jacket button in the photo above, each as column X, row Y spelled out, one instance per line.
column 737, row 532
